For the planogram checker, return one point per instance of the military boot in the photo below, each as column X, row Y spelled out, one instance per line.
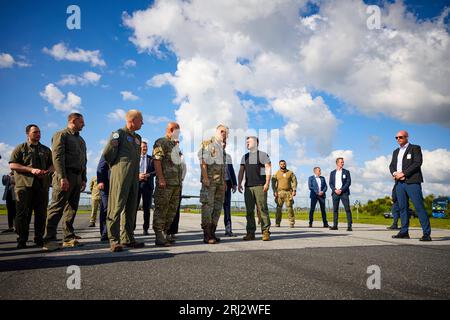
column 213, row 233
column 160, row 240
column 266, row 235
column 249, row 236
column 209, row 234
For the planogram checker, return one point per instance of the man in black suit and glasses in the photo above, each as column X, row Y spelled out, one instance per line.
column 406, row 170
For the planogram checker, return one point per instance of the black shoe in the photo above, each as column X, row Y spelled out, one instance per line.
column 393, row 228
column 10, row 230
column 39, row 242
column 326, row 226
column 425, row 238
column 333, row 228
column 21, row 245
column 146, row 233
column 401, row 236
column 92, row 225
column 104, row 238
column 349, row 229
column 310, row 225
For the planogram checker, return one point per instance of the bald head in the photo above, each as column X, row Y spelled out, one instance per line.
column 173, row 130
column 402, row 137
column 134, row 120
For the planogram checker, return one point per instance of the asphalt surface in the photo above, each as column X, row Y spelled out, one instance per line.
column 298, row 263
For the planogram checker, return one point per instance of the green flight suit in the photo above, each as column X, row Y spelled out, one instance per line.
column 69, row 159
column 122, row 153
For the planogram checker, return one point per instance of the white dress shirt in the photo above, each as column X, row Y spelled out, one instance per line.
column 338, row 181
column 319, row 183
column 143, row 164
column 401, row 153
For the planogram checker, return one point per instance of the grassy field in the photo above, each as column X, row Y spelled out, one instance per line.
column 363, row 218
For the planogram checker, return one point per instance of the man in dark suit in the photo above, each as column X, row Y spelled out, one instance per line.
column 406, row 170
column 146, row 184
column 230, row 177
column 103, row 174
column 318, row 187
column 340, row 182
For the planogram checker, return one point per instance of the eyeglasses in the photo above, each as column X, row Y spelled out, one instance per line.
column 400, row 137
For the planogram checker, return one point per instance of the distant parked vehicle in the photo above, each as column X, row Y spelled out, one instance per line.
column 412, row 214
column 439, row 206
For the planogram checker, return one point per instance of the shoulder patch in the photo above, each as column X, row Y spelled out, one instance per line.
column 115, row 135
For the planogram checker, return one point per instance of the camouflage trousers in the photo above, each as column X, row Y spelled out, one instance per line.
column 166, row 204
column 285, row 197
column 212, row 198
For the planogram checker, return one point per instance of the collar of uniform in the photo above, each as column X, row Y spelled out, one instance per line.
column 30, row 145
column 72, row 132
column 128, row 131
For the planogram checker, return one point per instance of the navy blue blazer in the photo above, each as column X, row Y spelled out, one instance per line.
column 150, row 182
column 103, row 173
column 232, row 174
column 314, row 187
column 346, row 181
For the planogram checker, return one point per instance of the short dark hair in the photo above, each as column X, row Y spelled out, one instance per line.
column 144, row 142
column 28, row 128
column 255, row 138
column 340, row 158
column 316, row 168
column 282, row 161
column 74, row 115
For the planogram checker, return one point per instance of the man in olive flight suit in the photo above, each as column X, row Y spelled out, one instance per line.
column 212, row 158
column 69, row 180
column 32, row 164
column 284, row 185
column 169, row 172
column 122, row 153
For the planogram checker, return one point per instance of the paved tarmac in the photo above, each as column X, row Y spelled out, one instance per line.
column 298, row 263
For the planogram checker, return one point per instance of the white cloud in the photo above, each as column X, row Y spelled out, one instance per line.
column 61, row 52
column 156, row 120
column 128, row 95
column 117, row 115
column 129, row 63
column 86, row 78
column 59, row 100
column 8, row 61
column 5, row 153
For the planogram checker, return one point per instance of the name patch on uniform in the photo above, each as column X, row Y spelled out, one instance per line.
column 130, row 139
column 408, row 156
column 137, row 141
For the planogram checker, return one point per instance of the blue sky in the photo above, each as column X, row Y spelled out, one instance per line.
column 27, row 27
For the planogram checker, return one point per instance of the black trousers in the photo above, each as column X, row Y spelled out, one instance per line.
column 103, row 213
column 11, row 208
column 346, row 202
column 227, row 208
column 146, row 193
column 321, row 201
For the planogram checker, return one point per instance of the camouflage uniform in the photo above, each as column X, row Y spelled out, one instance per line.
column 284, row 183
column 31, row 191
column 167, row 199
column 212, row 196
column 122, row 153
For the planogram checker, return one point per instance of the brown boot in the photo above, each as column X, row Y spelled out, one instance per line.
column 160, row 240
column 249, row 236
column 115, row 247
column 209, row 234
column 213, row 233
column 266, row 236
